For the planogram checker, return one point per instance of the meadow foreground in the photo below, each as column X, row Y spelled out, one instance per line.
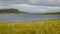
column 40, row 27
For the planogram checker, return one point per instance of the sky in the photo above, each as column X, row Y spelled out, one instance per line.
column 32, row 6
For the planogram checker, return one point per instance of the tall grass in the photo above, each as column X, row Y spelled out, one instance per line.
column 44, row 27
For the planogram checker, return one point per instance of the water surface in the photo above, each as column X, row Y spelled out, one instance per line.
column 26, row 17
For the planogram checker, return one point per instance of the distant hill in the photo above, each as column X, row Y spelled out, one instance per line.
column 54, row 13
column 11, row 11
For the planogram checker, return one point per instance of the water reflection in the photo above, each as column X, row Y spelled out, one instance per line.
column 26, row 17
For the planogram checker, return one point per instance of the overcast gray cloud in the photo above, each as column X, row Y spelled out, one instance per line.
column 32, row 6
column 33, row 2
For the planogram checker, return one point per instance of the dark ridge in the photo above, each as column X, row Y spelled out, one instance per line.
column 11, row 11
column 51, row 13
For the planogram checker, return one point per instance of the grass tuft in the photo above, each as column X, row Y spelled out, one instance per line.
column 43, row 27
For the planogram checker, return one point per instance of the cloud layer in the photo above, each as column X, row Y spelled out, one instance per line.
column 32, row 6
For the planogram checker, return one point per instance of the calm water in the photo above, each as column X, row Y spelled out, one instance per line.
column 26, row 17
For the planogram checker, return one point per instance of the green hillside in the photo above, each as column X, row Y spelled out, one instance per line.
column 11, row 11
column 51, row 13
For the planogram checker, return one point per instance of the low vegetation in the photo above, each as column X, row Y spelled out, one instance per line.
column 40, row 27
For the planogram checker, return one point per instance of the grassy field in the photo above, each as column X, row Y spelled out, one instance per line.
column 40, row 27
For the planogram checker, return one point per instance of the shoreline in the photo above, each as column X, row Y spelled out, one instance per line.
column 29, row 21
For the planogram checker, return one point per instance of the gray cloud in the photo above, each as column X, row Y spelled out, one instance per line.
column 45, row 2
column 33, row 2
column 32, row 6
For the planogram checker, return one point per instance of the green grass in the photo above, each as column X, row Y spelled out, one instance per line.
column 40, row 27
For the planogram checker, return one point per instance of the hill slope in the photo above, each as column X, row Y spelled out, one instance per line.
column 51, row 13
column 11, row 11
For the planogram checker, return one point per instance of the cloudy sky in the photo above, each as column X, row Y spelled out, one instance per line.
column 32, row 6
